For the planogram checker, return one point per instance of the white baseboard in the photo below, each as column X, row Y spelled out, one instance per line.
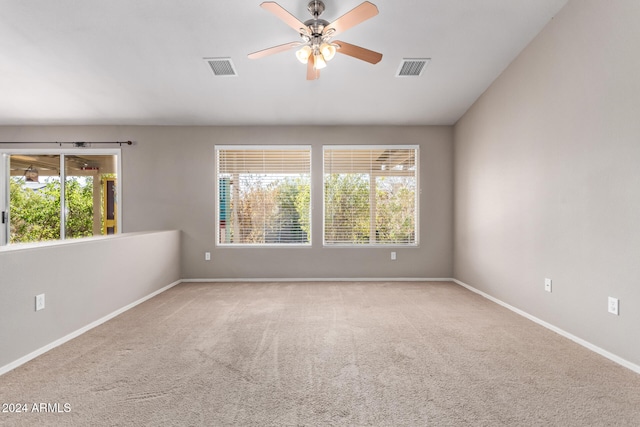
column 74, row 334
column 555, row 329
column 323, row 279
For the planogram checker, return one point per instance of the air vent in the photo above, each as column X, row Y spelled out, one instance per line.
column 412, row 67
column 222, row 67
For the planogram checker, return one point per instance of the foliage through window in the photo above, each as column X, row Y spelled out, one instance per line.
column 370, row 195
column 263, row 195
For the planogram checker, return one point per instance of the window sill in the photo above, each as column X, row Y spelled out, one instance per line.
column 371, row 245
column 52, row 243
column 264, row 245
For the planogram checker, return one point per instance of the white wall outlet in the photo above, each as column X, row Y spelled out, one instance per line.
column 207, row 256
column 39, row 302
column 393, row 256
column 547, row 285
column 614, row 305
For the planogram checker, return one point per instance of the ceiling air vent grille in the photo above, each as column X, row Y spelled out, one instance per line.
column 412, row 67
column 222, row 67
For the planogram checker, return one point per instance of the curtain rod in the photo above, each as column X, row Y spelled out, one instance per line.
column 74, row 143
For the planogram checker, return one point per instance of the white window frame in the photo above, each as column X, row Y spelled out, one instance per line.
column 416, row 242
column 5, row 154
column 217, row 149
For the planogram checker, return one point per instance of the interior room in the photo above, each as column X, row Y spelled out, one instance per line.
column 499, row 138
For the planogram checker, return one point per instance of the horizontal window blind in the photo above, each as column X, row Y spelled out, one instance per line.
column 263, row 195
column 370, row 195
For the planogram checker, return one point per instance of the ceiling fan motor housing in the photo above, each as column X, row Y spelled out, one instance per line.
column 316, row 26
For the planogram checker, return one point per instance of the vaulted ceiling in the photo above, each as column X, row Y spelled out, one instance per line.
column 141, row 62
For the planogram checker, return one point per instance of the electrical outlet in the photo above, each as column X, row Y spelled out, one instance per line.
column 547, row 285
column 39, row 302
column 614, row 306
column 393, row 256
column 207, row 256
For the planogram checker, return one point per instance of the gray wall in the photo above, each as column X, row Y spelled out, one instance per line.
column 83, row 281
column 547, row 180
column 168, row 183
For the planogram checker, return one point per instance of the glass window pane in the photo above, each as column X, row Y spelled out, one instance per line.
column 90, row 196
column 34, row 198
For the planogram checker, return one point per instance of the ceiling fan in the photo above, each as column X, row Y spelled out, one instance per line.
column 316, row 47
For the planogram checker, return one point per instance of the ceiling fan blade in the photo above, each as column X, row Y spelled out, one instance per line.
column 274, row 49
column 355, row 16
column 285, row 16
column 358, row 52
column 312, row 73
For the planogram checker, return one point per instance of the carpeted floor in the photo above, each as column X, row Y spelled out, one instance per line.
column 270, row 354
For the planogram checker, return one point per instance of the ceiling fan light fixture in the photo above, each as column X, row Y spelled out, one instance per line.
column 328, row 51
column 318, row 61
column 303, row 54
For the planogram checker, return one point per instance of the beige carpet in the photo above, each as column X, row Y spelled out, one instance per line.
column 268, row 354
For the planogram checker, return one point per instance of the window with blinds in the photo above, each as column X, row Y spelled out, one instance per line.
column 263, row 195
column 371, row 195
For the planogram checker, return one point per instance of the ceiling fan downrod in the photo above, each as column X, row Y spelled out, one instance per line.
column 315, row 8
column 316, row 25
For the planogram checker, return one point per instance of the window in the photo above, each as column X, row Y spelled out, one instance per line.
column 371, row 195
column 263, row 195
column 55, row 195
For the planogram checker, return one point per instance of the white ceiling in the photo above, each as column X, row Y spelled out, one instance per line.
column 140, row 62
